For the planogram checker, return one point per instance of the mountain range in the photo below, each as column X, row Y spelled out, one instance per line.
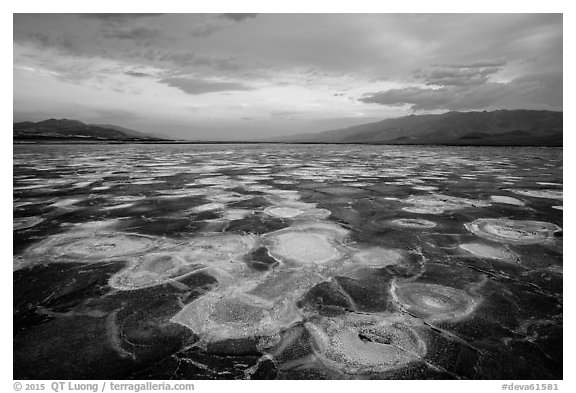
column 501, row 127
column 74, row 130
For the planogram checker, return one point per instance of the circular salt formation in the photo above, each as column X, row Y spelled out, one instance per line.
column 25, row 222
column 303, row 248
column 91, row 247
column 315, row 214
column 438, row 204
column 377, row 257
column 546, row 194
column 490, row 252
column 224, row 316
column 361, row 344
column 221, row 245
column 208, row 207
column 434, row 302
column 155, row 269
column 227, row 197
column 236, row 214
column 506, row 200
column 283, row 212
column 220, row 254
column 413, row 223
column 331, row 231
column 425, row 188
column 513, row 231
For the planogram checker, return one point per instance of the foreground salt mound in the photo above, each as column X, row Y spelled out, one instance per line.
column 221, row 254
column 155, row 269
column 513, row 231
column 375, row 257
column 363, row 344
column 438, row 204
column 314, row 243
column 413, row 223
column 220, row 316
column 357, row 261
column 490, row 252
column 546, row 194
column 228, row 245
column 434, row 302
column 286, row 284
column 303, row 248
column 249, row 310
column 91, row 247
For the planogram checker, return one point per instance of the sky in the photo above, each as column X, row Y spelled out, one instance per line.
column 254, row 76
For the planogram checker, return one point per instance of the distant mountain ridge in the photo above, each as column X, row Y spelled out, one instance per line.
column 502, row 127
column 134, row 133
column 67, row 129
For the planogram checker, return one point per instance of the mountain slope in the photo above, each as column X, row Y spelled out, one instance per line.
column 133, row 133
column 66, row 129
column 503, row 127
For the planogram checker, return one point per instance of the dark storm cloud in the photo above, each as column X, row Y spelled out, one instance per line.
column 419, row 98
column 118, row 17
column 132, row 33
column 137, row 74
column 46, row 41
column 204, row 29
column 479, row 64
column 182, row 59
column 300, row 62
column 238, row 17
column 458, row 76
column 197, row 86
column 523, row 92
column 207, row 24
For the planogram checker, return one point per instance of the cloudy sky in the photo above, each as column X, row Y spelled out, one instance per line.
column 243, row 76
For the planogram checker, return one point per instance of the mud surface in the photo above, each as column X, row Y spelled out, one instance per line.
column 287, row 262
